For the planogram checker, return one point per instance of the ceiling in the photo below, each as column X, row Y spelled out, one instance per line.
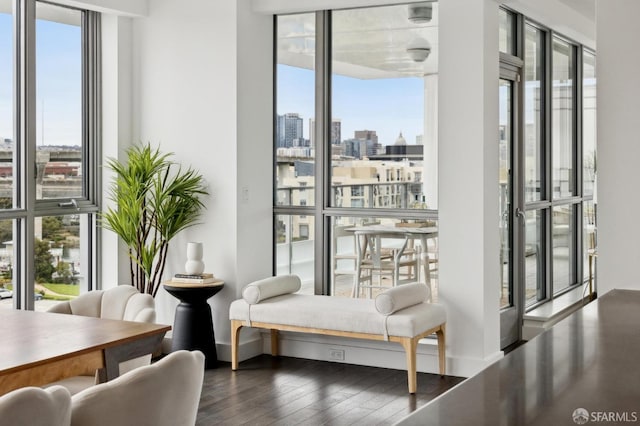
column 367, row 42
column 587, row 8
column 372, row 42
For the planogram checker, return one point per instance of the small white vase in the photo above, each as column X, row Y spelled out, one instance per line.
column 194, row 264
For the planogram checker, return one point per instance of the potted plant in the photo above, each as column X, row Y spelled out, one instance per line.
column 155, row 199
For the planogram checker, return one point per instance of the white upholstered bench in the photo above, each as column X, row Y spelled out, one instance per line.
column 400, row 314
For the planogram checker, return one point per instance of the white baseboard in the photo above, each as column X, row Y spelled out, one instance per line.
column 356, row 351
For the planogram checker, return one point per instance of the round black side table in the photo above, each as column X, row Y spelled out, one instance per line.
column 193, row 324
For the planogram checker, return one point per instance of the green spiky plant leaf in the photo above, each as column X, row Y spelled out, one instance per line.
column 155, row 199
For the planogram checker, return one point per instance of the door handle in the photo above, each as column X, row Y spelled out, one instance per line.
column 520, row 213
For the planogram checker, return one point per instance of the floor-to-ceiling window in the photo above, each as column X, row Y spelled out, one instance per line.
column 356, row 146
column 534, row 165
column 49, row 99
column 556, row 167
column 563, row 163
column 295, row 147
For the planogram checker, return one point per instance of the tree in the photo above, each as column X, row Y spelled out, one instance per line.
column 6, row 230
column 63, row 273
column 51, row 227
column 43, row 261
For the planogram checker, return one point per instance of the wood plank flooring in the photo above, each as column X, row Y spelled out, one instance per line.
column 290, row 391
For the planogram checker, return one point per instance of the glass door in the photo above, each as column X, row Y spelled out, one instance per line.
column 511, row 212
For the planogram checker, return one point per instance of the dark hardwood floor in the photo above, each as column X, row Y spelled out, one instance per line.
column 290, row 391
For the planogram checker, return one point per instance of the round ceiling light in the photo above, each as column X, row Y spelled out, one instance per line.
column 419, row 54
column 420, row 13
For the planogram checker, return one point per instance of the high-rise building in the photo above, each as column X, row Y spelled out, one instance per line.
column 288, row 129
column 352, row 148
column 336, row 131
column 369, row 139
column 366, row 135
column 280, row 131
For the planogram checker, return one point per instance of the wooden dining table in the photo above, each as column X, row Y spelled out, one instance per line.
column 37, row 348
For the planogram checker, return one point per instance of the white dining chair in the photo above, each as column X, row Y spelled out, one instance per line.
column 166, row 393
column 123, row 302
column 32, row 406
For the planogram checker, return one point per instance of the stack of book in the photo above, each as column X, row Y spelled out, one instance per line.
column 203, row 278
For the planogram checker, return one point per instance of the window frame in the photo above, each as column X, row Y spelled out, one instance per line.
column 26, row 206
column 323, row 211
column 548, row 201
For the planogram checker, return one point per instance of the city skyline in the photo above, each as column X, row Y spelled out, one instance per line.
column 388, row 106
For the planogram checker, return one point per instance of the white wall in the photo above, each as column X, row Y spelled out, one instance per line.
column 117, row 129
column 468, row 182
column 618, row 109
column 190, row 98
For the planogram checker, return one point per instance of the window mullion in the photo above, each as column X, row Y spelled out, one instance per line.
column 322, row 132
column 24, row 274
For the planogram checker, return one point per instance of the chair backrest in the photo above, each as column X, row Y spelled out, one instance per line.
column 164, row 393
column 33, row 406
column 123, row 302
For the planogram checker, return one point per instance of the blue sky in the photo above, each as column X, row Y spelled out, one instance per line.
column 387, row 106
column 59, row 78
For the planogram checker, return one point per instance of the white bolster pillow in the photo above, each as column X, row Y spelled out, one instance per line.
column 270, row 287
column 401, row 297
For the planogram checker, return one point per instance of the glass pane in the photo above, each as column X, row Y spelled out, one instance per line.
column 590, row 242
column 533, row 132
column 7, row 146
column 295, row 144
column 589, row 123
column 6, row 264
column 589, row 165
column 59, row 142
column 295, row 248
column 384, row 92
column 534, row 257
column 506, row 298
column 564, row 247
column 60, row 253
column 506, row 34
column 370, row 248
column 562, row 142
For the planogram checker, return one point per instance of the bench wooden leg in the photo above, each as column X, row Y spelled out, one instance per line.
column 274, row 342
column 410, row 346
column 236, row 325
column 441, row 350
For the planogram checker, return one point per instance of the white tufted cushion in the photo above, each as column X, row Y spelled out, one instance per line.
column 339, row 313
column 396, row 298
column 264, row 289
column 32, row 406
